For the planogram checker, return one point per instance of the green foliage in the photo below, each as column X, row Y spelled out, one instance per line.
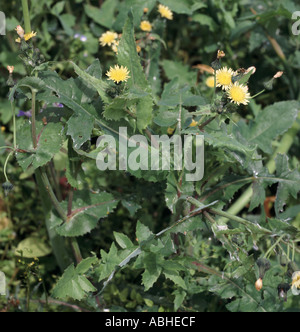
column 145, row 240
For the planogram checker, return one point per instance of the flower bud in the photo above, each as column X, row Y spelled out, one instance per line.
column 10, row 69
column 278, row 74
column 7, row 187
column 263, row 266
column 292, row 268
column 259, row 285
column 283, row 260
column 20, row 31
column 216, row 65
column 283, row 290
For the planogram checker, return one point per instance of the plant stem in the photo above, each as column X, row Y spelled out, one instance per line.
column 227, row 215
column 26, row 16
column 5, row 165
column 202, row 126
column 33, row 121
column 60, row 211
column 13, row 108
column 52, row 196
column 268, row 253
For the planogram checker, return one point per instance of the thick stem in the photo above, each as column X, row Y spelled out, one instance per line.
column 26, row 16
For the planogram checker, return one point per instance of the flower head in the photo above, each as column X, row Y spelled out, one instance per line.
column 224, row 78
column 108, row 38
column 146, row 26
column 210, row 82
column 296, row 283
column 221, row 54
column 118, row 74
column 238, row 94
column 27, row 36
column 165, row 12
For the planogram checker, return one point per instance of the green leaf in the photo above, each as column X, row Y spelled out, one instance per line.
column 128, row 57
column 87, row 210
column 180, row 7
column 143, row 233
column 289, row 183
column 79, row 133
column 137, row 8
column 270, row 123
column 178, row 70
column 104, row 15
column 203, row 19
column 50, row 140
column 123, row 240
column 152, row 269
column 32, row 247
column 73, row 284
column 176, row 188
column 27, row 84
column 175, row 94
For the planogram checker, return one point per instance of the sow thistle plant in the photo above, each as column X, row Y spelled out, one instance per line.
column 69, row 115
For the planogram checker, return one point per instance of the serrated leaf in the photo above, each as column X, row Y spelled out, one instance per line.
column 128, row 57
column 175, row 277
column 289, row 183
column 87, row 210
column 175, row 94
column 73, row 284
column 143, row 233
column 273, row 121
column 49, row 142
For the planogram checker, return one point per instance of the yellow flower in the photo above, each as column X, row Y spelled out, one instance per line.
column 146, row 26
column 108, row 38
column 27, row 36
column 193, row 123
column 165, row 12
column 224, row 78
column 118, row 74
column 296, row 283
column 239, row 94
column 210, row 81
column 221, row 54
column 3, row 129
